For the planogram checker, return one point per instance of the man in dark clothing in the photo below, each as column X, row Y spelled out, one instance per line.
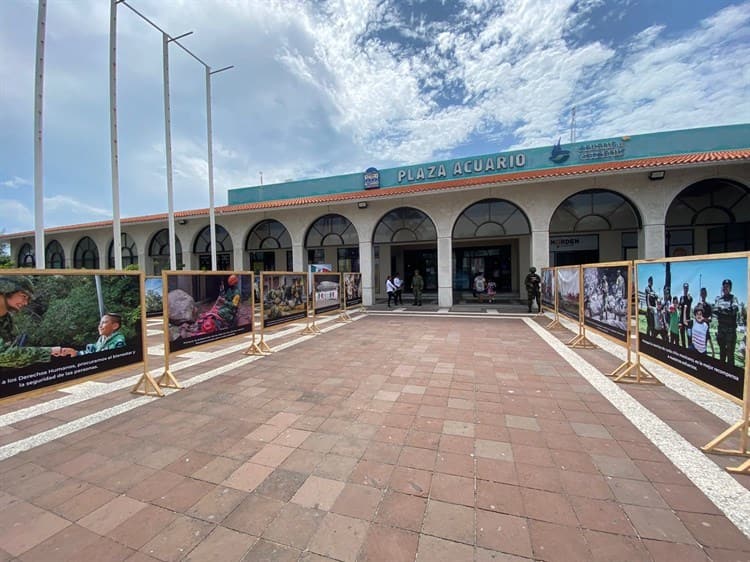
column 726, row 310
column 533, row 284
column 417, row 284
column 685, row 306
column 651, row 300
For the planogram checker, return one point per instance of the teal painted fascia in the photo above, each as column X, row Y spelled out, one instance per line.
column 613, row 149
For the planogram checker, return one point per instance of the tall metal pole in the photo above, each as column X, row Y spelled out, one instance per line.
column 116, row 232
column 168, row 148
column 38, row 124
column 211, row 210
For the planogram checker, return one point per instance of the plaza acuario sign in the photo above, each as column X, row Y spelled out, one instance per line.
column 461, row 168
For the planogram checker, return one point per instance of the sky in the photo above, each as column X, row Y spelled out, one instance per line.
column 322, row 88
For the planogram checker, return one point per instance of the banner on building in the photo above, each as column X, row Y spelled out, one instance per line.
column 206, row 306
column 692, row 316
column 60, row 326
column 605, row 299
column 283, row 297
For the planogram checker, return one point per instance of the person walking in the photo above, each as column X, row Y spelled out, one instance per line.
column 398, row 285
column 391, row 290
column 417, row 284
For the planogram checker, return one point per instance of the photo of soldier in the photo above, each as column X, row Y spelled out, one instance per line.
column 651, row 298
column 284, row 297
column 685, row 306
column 15, row 293
column 727, row 310
column 605, row 306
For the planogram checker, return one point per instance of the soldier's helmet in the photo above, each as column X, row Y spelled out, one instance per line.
column 532, row 269
column 13, row 283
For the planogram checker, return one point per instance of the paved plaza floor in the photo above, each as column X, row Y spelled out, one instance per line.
column 429, row 435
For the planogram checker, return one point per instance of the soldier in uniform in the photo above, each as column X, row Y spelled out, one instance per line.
column 726, row 310
column 651, row 300
column 533, row 284
column 685, row 306
column 15, row 293
column 417, row 284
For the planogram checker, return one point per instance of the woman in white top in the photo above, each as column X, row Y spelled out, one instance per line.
column 390, row 288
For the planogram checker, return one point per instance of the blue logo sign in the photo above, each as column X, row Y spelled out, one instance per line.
column 559, row 155
column 372, row 178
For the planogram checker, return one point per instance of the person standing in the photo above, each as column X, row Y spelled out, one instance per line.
column 651, row 299
column 398, row 289
column 417, row 284
column 701, row 335
column 674, row 323
column 391, row 290
column 533, row 284
column 707, row 308
column 726, row 310
column 686, row 322
column 479, row 285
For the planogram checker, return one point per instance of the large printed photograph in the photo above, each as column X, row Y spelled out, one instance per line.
column 205, row 307
column 568, row 285
column 605, row 300
column 55, row 328
column 692, row 316
column 352, row 289
column 284, row 297
column 548, row 288
column 154, row 304
column 326, row 292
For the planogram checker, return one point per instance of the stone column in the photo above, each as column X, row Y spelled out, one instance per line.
column 365, row 267
column 651, row 241
column 445, row 271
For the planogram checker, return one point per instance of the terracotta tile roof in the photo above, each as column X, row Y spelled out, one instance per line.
column 661, row 162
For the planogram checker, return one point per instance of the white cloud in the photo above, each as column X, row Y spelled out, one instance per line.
column 15, row 182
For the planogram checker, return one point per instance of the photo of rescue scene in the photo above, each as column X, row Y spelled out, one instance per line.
column 204, row 307
column 605, row 299
column 353, row 288
column 568, row 285
column 284, row 297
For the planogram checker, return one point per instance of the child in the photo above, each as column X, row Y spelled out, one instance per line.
column 674, row 322
column 701, row 335
column 491, row 290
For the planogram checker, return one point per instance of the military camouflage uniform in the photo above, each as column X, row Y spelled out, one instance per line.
column 11, row 354
column 533, row 284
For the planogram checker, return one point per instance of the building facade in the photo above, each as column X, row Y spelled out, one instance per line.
column 646, row 196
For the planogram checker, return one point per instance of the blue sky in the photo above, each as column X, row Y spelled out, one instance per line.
column 331, row 87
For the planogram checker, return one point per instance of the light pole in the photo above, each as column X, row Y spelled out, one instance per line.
column 41, row 22
column 211, row 210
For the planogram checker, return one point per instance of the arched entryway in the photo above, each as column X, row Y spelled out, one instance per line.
column 86, row 254
column 333, row 239
column 708, row 217
column 129, row 251
column 405, row 239
column 487, row 238
column 26, row 256
column 55, row 255
column 158, row 251
column 202, row 248
column 596, row 225
column 269, row 247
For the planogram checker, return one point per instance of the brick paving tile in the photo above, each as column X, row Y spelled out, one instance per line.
column 111, row 514
column 281, row 484
column 272, row 552
column 452, row 489
column 184, row 495
column 436, row 549
column 452, row 463
column 662, row 551
column 104, row 550
column 217, row 470
column 271, row 455
column 371, row 473
column 503, row 498
column 155, row 485
column 636, row 492
column 411, row 481
column 352, row 447
column 448, row 521
column 189, row 463
column 402, row 510
column 318, row 493
column 496, row 471
column 294, row 526
column 415, row 457
column 548, row 506
column 586, row 485
column 617, row 467
column 539, row 477
column 222, row 545
column 660, row 524
column 253, row 514
column 217, row 504
column 385, row 544
column 724, row 555
column 505, row 533
column 716, row 531
column 335, row 467
column 142, row 527
column 552, row 542
column 358, row 501
column 90, row 499
column 23, row 526
column 600, row 515
column 686, row 498
column 302, row 461
column 248, row 476
column 62, row 493
column 178, row 539
column 64, row 545
column 616, row 548
column 339, row 537
column 495, row 450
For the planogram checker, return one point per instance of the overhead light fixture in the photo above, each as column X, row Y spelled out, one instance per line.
column 657, row 175
column 182, row 221
column 362, row 204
